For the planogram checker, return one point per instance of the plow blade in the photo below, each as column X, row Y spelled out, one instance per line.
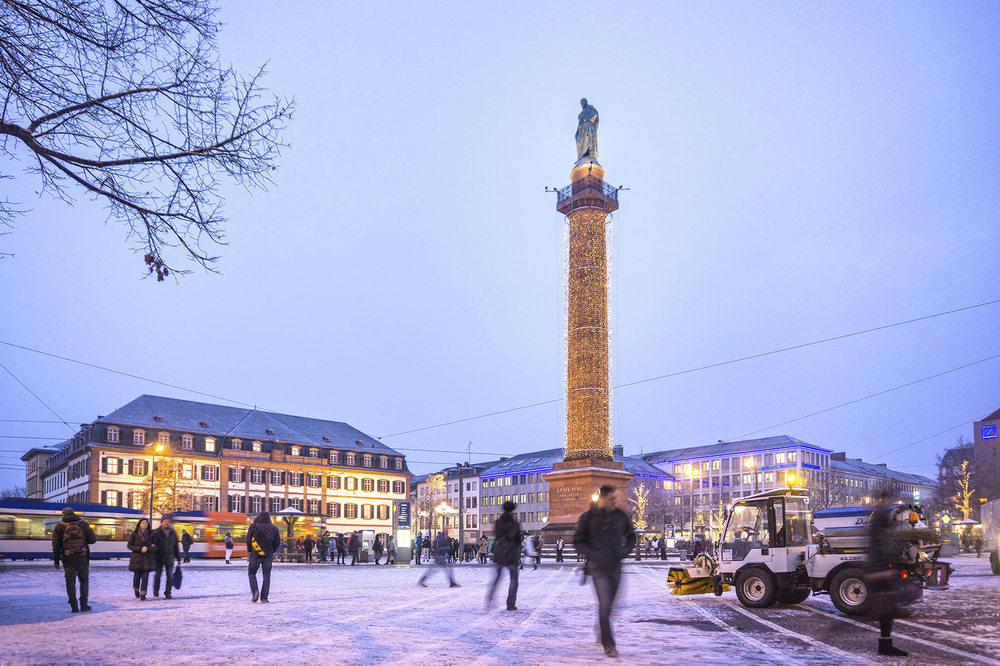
column 682, row 583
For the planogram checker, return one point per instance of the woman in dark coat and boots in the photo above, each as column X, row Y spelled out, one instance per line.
column 143, row 559
column 884, row 576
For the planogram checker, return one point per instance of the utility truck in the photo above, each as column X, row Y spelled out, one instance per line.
column 774, row 549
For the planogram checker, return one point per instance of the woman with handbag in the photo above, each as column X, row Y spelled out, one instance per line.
column 143, row 558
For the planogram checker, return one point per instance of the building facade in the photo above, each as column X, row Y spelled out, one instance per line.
column 987, row 456
column 218, row 458
column 854, row 482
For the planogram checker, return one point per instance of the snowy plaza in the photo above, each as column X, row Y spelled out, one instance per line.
column 324, row 613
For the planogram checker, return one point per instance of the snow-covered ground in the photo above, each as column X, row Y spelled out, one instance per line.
column 366, row 615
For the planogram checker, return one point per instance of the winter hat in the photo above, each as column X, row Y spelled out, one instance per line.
column 68, row 513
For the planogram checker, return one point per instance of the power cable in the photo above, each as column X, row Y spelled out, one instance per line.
column 873, row 395
column 937, row 434
column 25, row 387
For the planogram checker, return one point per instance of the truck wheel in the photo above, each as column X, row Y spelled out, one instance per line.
column 756, row 588
column 848, row 591
column 796, row 596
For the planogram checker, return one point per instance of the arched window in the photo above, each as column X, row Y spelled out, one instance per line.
column 367, row 460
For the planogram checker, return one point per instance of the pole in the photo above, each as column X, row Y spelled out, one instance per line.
column 692, row 502
column 461, row 479
column 152, row 476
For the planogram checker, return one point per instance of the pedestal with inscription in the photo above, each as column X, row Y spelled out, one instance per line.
column 572, row 484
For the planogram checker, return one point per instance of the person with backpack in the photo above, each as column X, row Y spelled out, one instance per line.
column 167, row 555
column 324, row 546
column 506, row 553
column 71, row 541
column 341, row 549
column 307, row 548
column 262, row 542
column 228, row 543
column 186, row 542
column 442, row 549
column 143, row 558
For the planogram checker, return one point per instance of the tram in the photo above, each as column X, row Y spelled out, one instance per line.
column 209, row 528
column 26, row 528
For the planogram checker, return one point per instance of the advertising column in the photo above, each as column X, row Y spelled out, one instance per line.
column 401, row 530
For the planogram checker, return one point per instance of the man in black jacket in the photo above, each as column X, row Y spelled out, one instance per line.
column 71, row 541
column 168, row 553
column 262, row 541
column 506, row 549
column 605, row 536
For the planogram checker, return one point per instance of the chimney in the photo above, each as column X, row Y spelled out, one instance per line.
column 619, row 450
column 842, row 456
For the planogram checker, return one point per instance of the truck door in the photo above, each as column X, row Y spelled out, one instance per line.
column 748, row 533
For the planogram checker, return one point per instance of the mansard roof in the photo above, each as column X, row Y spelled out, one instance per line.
column 731, row 448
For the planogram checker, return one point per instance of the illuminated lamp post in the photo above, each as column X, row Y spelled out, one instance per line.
column 152, row 477
column 691, row 470
column 790, row 479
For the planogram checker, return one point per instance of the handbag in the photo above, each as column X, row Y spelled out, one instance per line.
column 177, row 577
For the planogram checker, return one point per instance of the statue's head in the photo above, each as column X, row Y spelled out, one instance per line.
column 583, row 102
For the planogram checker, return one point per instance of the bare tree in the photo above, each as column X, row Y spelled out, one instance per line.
column 13, row 493
column 125, row 100
column 174, row 487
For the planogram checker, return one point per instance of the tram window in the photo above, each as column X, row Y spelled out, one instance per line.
column 6, row 527
column 108, row 529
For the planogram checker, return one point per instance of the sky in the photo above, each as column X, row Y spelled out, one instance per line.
column 796, row 172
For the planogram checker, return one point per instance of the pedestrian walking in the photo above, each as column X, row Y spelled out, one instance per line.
column 538, row 550
column 167, row 554
column 143, row 558
column 71, row 539
column 979, row 547
column 377, row 549
column 391, row 551
column 884, row 573
column 262, row 542
column 506, row 549
column 307, row 547
column 442, row 549
column 560, row 546
column 341, row 549
column 228, row 543
column 354, row 545
column 186, row 542
column 324, row 545
column 663, row 548
column 605, row 535
column 418, row 546
column 483, row 549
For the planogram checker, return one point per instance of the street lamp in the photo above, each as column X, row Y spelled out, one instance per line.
column 692, row 470
column 152, row 476
column 791, row 480
column 461, row 481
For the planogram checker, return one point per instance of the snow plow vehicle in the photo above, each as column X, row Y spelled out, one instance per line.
column 774, row 549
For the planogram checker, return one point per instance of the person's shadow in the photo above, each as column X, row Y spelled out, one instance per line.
column 23, row 609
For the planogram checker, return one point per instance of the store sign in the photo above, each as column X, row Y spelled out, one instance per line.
column 990, row 431
column 402, row 515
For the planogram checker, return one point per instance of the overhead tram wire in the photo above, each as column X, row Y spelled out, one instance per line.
column 937, row 434
column 867, row 397
column 709, row 366
column 25, row 387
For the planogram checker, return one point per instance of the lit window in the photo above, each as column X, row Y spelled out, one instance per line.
column 779, row 458
column 237, row 445
column 367, row 460
column 350, row 511
column 187, row 470
column 295, row 450
column 113, row 465
column 164, row 438
column 112, row 435
column 715, row 465
column 256, row 446
column 366, row 511
column 187, row 442
column 209, row 444
column 351, row 483
column 112, row 498
column 139, row 437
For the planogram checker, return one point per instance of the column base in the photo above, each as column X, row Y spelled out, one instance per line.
column 572, row 484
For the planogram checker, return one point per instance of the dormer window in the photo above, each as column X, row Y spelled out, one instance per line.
column 158, row 418
column 295, row 451
column 313, row 453
column 399, row 463
column 164, row 438
column 209, row 445
column 187, row 442
column 270, row 431
column 334, row 458
column 139, row 437
column 112, row 435
column 350, row 458
column 326, row 438
column 257, row 447
column 383, row 462
column 203, row 424
column 237, row 445
column 367, row 460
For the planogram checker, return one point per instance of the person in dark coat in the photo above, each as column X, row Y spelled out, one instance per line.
column 262, row 542
column 605, row 536
column 143, row 558
column 186, row 542
column 74, row 551
column 506, row 552
column 378, row 549
column 418, row 546
column 883, row 577
column 354, row 545
column 442, row 550
column 167, row 554
column 341, row 549
column 307, row 547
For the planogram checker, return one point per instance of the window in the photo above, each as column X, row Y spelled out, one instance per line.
column 531, row 516
column 276, row 504
column 333, row 482
column 315, row 482
column 255, row 504
column 334, row 458
column 366, row 485
column 187, row 442
column 139, row 437
column 297, row 503
column 531, row 497
column 397, row 487
column 506, row 480
column 112, row 498
column 236, row 475
column 350, row 459
column 112, row 435
column 383, row 485
column 208, row 474
column 296, row 480
column 276, row 479
column 295, row 451
column 747, row 478
column 256, row 476
column 399, row 463
column 367, row 460
column 333, row 509
column 314, row 453
column 350, row 511
column 715, row 465
column 314, row 506
column 366, row 512
column 209, row 444
column 256, row 446
column 678, row 469
column 382, row 512
column 209, row 503
column 113, row 466
column 383, row 462
column 768, row 458
column 725, row 463
column 524, row 498
column 350, row 483
column 237, row 445
column 779, row 458
column 768, row 477
column 792, row 456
